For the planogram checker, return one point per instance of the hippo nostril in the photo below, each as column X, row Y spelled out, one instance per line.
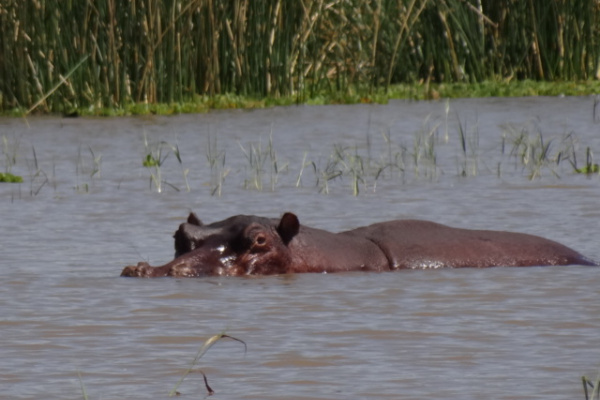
column 129, row 271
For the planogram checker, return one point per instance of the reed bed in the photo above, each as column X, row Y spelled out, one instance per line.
column 438, row 149
column 60, row 55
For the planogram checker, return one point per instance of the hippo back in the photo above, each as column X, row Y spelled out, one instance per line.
column 423, row 244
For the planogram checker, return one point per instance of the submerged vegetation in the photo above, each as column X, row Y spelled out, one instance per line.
column 203, row 349
column 10, row 178
column 444, row 146
column 592, row 384
column 211, row 341
column 171, row 56
column 156, row 155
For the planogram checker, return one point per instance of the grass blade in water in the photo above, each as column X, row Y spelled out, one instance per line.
column 207, row 345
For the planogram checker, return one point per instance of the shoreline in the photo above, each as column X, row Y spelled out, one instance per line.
column 353, row 95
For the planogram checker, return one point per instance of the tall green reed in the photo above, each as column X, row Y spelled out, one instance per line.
column 59, row 55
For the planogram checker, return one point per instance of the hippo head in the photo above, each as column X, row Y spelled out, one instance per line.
column 240, row 245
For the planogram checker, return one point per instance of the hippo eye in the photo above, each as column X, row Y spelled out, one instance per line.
column 255, row 238
column 260, row 240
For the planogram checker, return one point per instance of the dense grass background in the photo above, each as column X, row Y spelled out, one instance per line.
column 109, row 53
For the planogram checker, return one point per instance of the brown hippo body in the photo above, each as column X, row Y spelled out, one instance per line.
column 250, row 245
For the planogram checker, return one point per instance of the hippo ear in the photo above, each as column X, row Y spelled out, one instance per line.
column 288, row 227
column 194, row 220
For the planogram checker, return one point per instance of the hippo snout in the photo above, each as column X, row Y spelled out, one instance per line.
column 141, row 270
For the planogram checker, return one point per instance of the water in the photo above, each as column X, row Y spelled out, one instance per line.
column 502, row 333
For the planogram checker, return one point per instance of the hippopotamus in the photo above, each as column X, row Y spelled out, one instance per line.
column 252, row 245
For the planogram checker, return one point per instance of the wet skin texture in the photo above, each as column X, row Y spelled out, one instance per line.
column 251, row 245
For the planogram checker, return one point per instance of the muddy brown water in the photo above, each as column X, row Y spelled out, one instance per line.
column 501, row 333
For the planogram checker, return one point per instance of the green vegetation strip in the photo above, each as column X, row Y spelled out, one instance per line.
column 203, row 104
column 10, row 178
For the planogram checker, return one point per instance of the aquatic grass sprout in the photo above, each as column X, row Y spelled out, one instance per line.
column 424, row 151
column 257, row 157
column 37, row 177
column 87, row 167
column 533, row 152
column 332, row 170
column 216, row 161
column 591, row 384
column 590, row 166
column 10, row 148
column 469, row 145
column 82, row 386
column 10, row 178
column 210, row 342
column 156, row 153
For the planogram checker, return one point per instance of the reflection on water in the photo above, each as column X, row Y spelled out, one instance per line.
column 501, row 333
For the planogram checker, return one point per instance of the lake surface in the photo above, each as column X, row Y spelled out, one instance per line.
column 88, row 207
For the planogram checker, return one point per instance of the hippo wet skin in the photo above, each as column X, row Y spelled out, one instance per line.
column 251, row 245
